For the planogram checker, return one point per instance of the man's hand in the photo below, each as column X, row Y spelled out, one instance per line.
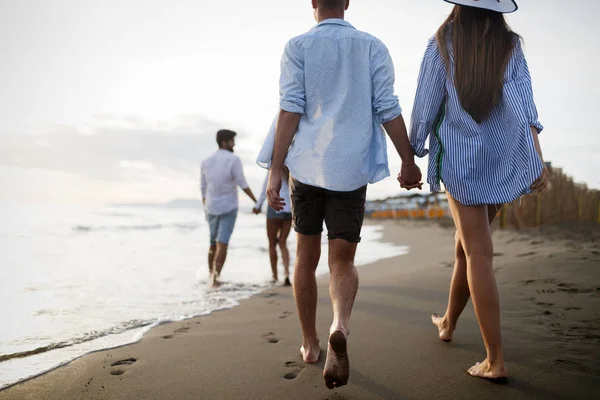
column 256, row 211
column 541, row 182
column 410, row 176
column 273, row 188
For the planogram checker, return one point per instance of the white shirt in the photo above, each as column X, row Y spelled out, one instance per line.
column 284, row 192
column 220, row 175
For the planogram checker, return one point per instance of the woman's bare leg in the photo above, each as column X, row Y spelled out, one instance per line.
column 472, row 224
column 459, row 288
column 273, row 226
column 285, row 254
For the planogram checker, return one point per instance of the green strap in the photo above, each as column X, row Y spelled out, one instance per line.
column 436, row 131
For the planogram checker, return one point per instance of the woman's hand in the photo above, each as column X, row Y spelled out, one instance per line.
column 541, row 182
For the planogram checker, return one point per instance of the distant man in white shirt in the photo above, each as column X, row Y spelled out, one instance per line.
column 220, row 176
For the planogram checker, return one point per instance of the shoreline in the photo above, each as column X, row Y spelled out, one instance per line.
column 396, row 297
column 137, row 334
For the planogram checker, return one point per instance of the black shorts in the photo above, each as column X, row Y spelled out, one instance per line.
column 343, row 212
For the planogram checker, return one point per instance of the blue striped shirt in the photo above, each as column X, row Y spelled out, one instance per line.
column 342, row 82
column 493, row 162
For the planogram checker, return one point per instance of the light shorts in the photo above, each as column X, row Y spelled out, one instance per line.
column 221, row 227
column 272, row 214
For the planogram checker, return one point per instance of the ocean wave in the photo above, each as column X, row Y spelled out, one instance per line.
column 186, row 226
column 89, row 336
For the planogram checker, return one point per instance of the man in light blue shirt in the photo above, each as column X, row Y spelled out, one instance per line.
column 337, row 90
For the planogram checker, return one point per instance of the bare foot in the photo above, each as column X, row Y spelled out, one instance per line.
column 445, row 332
column 494, row 373
column 310, row 354
column 337, row 366
column 215, row 282
column 287, row 282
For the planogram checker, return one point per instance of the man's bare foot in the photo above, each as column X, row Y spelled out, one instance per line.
column 337, row 366
column 310, row 354
column 493, row 373
column 444, row 329
column 287, row 282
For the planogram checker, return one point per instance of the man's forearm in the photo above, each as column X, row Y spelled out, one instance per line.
column 396, row 130
column 287, row 125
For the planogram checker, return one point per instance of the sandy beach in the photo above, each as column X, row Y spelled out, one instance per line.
column 549, row 283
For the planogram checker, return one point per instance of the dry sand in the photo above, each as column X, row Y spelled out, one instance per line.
column 550, row 293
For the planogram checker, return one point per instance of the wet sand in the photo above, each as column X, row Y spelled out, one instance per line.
column 550, row 292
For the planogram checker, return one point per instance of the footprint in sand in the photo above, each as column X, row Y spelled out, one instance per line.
column 270, row 294
column 541, row 303
column 168, row 336
column 270, row 337
column 127, row 361
column 572, row 308
column 184, row 329
column 124, row 362
column 285, row 314
column 294, row 371
column 531, row 253
column 117, row 372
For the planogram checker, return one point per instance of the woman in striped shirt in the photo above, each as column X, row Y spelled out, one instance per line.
column 475, row 103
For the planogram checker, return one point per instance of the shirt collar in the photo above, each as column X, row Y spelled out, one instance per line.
column 335, row 21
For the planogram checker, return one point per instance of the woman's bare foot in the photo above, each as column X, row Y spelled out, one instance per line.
column 337, row 366
column 496, row 373
column 444, row 329
column 310, row 354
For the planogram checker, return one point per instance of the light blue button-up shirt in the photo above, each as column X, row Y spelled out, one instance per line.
column 342, row 82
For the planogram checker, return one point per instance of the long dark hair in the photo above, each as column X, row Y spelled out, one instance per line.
column 483, row 44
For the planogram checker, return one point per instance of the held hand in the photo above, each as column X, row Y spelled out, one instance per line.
column 410, row 177
column 541, row 182
column 256, row 211
column 273, row 188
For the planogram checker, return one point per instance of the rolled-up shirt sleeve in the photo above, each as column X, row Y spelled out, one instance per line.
column 266, row 151
column 429, row 98
column 291, row 82
column 238, row 174
column 524, row 88
column 385, row 104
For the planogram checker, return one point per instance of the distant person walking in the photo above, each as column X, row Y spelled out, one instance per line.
column 279, row 224
column 475, row 102
column 336, row 92
column 220, row 176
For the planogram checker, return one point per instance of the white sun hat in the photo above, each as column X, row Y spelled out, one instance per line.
column 501, row 6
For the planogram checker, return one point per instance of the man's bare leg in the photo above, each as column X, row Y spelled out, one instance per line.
column 459, row 288
column 220, row 256
column 305, row 291
column 343, row 287
column 211, row 258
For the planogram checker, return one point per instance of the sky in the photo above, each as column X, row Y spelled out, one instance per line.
column 119, row 100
